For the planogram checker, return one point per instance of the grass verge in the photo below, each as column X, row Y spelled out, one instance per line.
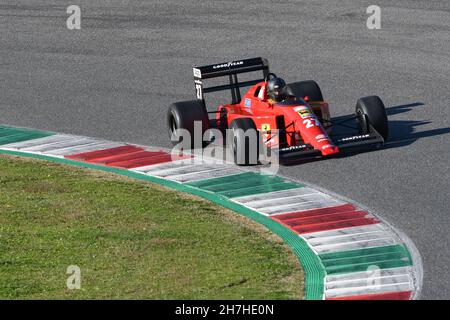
column 131, row 240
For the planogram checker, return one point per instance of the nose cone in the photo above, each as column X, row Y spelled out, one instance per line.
column 329, row 150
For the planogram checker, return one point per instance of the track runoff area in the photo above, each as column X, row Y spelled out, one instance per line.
column 345, row 251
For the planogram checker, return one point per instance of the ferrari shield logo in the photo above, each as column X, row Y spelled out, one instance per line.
column 265, row 127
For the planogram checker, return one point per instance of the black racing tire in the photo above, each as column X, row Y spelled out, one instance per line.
column 245, row 150
column 181, row 115
column 371, row 110
column 302, row 89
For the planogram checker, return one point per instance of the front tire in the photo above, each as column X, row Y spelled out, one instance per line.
column 371, row 110
column 244, row 142
column 182, row 115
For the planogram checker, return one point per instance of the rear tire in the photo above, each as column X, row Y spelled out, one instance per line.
column 308, row 88
column 371, row 110
column 181, row 115
column 244, row 149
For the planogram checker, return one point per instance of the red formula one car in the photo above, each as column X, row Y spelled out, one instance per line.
column 296, row 126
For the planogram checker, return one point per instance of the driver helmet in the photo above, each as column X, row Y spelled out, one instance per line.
column 275, row 89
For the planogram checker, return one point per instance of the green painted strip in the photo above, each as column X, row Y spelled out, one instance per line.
column 359, row 260
column 226, row 180
column 244, row 184
column 360, row 267
column 6, row 130
column 312, row 266
column 259, row 189
column 17, row 137
column 12, row 135
column 372, row 258
column 362, row 252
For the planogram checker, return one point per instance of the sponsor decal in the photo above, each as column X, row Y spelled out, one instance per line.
column 303, row 112
column 197, row 73
column 321, row 137
column 300, row 108
column 355, row 137
column 228, row 64
column 300, row 147
column 248, row 102
column 327, row 146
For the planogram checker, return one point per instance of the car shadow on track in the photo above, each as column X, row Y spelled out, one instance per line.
column 401, row 133
column 404, row 132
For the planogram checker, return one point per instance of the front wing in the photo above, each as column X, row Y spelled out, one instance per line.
column 346, row 144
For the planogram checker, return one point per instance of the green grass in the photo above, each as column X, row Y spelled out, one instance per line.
column 131, row 240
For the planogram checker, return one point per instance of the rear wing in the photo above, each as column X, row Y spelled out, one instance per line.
column 230, row 69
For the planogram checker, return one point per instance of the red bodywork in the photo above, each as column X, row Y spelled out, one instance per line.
column 304, row 121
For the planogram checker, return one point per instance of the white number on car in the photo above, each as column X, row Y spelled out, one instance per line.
column 198, row 88
column 310, row 123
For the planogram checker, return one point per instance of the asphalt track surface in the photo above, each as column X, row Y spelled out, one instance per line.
column 115, row 77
